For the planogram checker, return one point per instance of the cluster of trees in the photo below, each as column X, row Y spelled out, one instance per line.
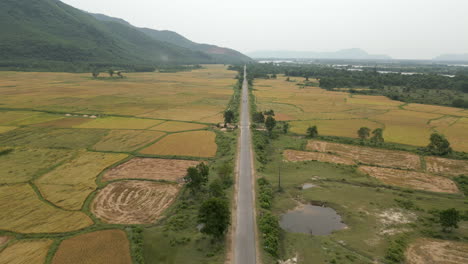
column 377, row 135
column 268, row 222
column 111, row 72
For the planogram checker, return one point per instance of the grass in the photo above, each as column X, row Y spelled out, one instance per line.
column 68, row 185
column 4, row 129
column 23, row 212
column 196, row 144
column 172, row 126
column 120, row 123
column 28, row 251
column 108, row 246
column 126, row 140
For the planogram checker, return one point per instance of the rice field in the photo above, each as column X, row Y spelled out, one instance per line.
column 29, row 251
column 338, row 113
column 173, row 126
column 120, row 123
column 127, row 140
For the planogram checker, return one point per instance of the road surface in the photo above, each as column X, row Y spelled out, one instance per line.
column 245, row 244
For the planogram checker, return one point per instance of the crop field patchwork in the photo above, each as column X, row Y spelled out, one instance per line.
column 426, row 251
column 108, row 246
column 294, row 156
column 126, row 140
column 148, row 168
column 133, row 202
column 446, row 166
column 22, row 252
column 172, row 126
column 68, row 185
column 195, row 143
column 411, row 179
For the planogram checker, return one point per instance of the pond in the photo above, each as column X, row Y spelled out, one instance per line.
column 311, row 219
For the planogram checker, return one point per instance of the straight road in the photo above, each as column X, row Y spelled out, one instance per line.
column 245, row 244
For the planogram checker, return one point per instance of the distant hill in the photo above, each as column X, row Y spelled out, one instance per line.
column 51, row 35
column 452, row 57
column 352, row 54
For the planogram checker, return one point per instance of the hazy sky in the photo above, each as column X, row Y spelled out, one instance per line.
column 409, row 29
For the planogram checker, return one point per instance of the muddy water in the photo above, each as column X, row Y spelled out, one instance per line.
column 311, row 219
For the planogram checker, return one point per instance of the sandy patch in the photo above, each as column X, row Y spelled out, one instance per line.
column 432, row 251
column 153, row 169
column 411, row 179
column 446, row 166
column 294, row 156
column 395, row 216
column 4, row 240
column 133, row 202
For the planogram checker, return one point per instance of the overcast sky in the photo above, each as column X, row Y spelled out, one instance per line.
column 406, row 29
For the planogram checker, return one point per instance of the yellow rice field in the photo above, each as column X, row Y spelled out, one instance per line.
column 127, row 140
column 173, row 126
column 29, row 251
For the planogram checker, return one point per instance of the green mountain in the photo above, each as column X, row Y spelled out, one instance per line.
column 50, row 35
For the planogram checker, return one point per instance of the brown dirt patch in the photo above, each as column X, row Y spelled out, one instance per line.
column 294, row 156
column 133, row 202
column 101, row 247
column 4, row 240
column 367, row 155
column 153, row 169
column 411, row 179
column 446, row 166
column 65, row 122
column 432, row 251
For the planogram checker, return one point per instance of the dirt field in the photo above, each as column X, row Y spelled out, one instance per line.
column 294, row 155
column 411, row 179
column 432, row 251
column 195, row 144
column 101, row 247
column 127, row 140
column 133, row 202
column 153, row 169
column 4, row 240
column 68, row 185
column 446, row 166
column 173, row 126
column 371, row 156
column 25, row 252
column 23, row 212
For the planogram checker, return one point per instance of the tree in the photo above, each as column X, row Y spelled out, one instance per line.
column 215, row 215
column 364, row 133
column 270, row 112
column 377, row 136
column 270, row 124
column 215, row 189
column 224, row 173
column 119, row 73
column 312, row 132
column 287, row 79
column 439, row 145
column 273, row 76
column 228, row 116
column 111, row 73
column 258, row 117
column 285, row 127
column 197, row 177
column 95, row 73
column 203, row 169
column 449, row 219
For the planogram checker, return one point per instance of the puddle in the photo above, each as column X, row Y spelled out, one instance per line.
column 306, row 186
column 311, row 219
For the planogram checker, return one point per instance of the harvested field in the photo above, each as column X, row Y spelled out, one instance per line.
column 133, row 202
column 294, row 155
column 23, row 164
column 120, row 123
column 4, row 240
column 23, row 212
column 24, row 252
column 195, row 143
column 446, row 166
column 64, row 122
column 411, row 179
column 68, row 185
column 4, row 129
column 367, row 155
column 174, row 126
column 127, row 140
column 153, row 169
column 432, row 251
column 101, row 247
column 343, row 128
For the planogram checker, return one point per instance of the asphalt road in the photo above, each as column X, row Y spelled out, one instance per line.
column 245, row 245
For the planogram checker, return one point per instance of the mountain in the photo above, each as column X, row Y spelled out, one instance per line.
column 352, row 54
column 48, row 34
column 219, row 55
column 452, row 57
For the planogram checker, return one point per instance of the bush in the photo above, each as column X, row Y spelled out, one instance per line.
column 265, row 195
column 270, row 229
column 396, row 251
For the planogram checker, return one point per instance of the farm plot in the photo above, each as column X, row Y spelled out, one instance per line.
column 294, row 156
column 195, row 143
column 133, row 202
column 32, row 251
column 174, row 126
column 4, row 129
column 153, row 169
column 446, row 166
column 120, row 123
column 343, row 128
column 411, row 179
column 108, row 246
column 23, row 164
column 22, row 118
column 367, row 155
column 68, row 185
column 23, row 212
column 127, row 140
column 431, row 251
column 64, row 122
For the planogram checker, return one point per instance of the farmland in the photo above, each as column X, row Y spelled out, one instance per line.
column 81, row 159
column 339, row 113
